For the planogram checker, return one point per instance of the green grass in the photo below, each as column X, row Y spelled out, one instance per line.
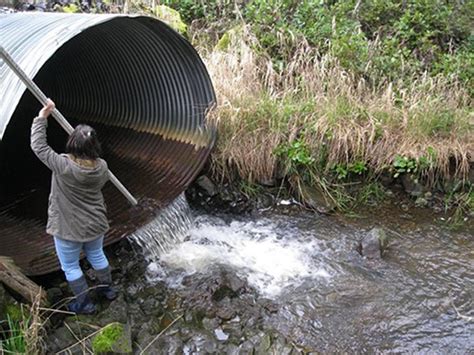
column 14, row 342
column 462, row 204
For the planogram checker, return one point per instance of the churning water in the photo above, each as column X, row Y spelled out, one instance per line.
column 418, row 298
column 269, row 257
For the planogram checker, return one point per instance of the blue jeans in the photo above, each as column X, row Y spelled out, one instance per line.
column 69, row 253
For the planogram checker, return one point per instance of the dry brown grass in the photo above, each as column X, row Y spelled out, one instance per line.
column 314, row 99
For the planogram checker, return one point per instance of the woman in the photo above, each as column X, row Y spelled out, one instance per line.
column 76, row 212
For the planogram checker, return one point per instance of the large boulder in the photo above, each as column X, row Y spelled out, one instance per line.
column 374, row 244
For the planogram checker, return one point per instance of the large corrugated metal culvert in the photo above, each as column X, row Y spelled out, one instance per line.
column 138, row 82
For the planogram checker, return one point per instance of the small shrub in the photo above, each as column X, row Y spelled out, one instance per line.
column 171, row 17
column 371, row 193
column 462, row 202
column 250, row 190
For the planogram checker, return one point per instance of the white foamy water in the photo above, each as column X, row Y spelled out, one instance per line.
column 270, row 257
column 166, row 230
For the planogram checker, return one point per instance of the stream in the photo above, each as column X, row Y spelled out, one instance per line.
column 288, row 281
column 323, row 295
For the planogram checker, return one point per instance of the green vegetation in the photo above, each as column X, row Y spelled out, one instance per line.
column 327, row 92
column 14, row 342
column 23, row 329
column 109, row 339
column 171, row 17
column 462, row 203
column 377, row 39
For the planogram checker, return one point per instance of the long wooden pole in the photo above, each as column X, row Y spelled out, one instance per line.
column 36, row 91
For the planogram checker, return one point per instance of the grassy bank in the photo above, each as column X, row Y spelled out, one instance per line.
column 313, row 117
column 314, row 123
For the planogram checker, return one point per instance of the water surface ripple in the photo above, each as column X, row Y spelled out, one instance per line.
column 329, row 297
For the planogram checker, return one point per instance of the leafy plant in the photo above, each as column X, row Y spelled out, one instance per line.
column 343, row 171
column 296, row 152
column 403, row 164
column 250, row 190
column 371, row 193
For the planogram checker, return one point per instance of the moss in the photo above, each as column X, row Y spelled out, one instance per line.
column 111, row 339
column 223, row 42
column 71, row 9
column 228, row 38
column 171, row 17
column 14, row 312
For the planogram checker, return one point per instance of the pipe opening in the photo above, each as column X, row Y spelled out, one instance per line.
column 146, row 92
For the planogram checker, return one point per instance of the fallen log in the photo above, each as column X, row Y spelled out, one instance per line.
column 12, row 276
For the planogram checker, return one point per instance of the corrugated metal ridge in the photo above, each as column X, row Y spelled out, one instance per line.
column 59, row 29
column 37, row 35
column 139, row 83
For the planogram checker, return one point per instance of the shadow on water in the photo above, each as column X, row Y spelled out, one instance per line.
column 326, row 296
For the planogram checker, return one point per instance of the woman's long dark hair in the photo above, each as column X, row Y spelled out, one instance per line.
column 83, row 143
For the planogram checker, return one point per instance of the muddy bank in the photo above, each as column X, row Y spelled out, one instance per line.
column 448, row 204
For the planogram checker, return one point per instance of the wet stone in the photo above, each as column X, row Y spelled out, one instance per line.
column 116, row 311
column 412, row 185
column 374, row 244
column 232, row 349
column 421, row 202
column 225, row 309
column 234, row 329
column 164, row 345
column 264, row 346
column 220, row 334
column 280, row 347
column 315, row 199
column 210, row 323
column 207, row 185
column 225, row 313
column 150, row 306
column 55, row 294
column 247, row 348
column 268, row 305
column 265, row 201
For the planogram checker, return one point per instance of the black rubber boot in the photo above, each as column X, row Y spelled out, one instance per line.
column 82, row 304
column 105, row 288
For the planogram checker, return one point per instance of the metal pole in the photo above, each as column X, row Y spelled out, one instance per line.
column 36, row 91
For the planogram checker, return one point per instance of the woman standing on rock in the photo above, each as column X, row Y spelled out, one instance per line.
column 76, row 213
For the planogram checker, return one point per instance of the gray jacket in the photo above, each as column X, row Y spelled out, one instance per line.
column 76, row 209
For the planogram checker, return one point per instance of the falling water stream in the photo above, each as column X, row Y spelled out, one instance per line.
column 418, row 298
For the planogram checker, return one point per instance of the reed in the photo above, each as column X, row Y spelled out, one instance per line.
column 25, row 330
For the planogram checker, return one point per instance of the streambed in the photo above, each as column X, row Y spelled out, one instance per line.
column 279, row 282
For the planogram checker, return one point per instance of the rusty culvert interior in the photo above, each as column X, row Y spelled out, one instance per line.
column 146, row 91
